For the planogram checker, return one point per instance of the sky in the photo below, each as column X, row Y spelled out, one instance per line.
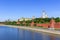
column 15, row 9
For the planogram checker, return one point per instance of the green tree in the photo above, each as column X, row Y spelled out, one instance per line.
column 57, row 19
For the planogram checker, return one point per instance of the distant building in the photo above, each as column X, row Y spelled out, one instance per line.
column 21, row 19
column 28, row 19
column 24, row 19
column 44, row 15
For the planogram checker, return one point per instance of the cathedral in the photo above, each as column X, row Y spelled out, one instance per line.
column 44, row 15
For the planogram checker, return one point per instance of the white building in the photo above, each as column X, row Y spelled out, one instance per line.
column 21, row 19
column 44, row 15
column 26, row 19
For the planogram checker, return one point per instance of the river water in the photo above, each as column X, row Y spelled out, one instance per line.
column 7, row 33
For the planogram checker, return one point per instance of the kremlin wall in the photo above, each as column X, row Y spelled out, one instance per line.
column 51, row 24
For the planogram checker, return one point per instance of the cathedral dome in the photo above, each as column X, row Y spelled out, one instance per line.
column 44, row 15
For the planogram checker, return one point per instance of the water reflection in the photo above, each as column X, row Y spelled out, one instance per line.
column 7, row 33
column 52, row 37
column 31, row 35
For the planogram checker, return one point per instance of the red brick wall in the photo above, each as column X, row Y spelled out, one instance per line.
column 43, row 25
column 57, row 25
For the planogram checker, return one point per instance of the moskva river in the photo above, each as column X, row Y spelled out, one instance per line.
column 7, row 33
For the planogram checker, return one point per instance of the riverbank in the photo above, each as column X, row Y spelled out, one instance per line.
column 35, row 29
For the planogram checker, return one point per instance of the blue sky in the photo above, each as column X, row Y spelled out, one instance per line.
column 14, row 9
